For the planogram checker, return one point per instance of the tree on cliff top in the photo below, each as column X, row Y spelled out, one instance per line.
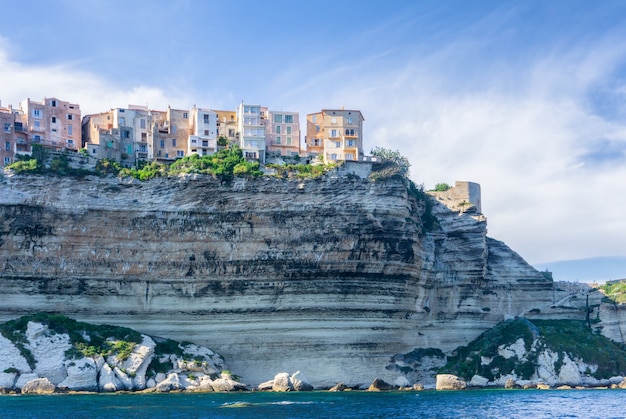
column 392, row 164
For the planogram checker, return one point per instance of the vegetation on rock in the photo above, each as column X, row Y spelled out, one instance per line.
column 87, row 339
column 615, row 291
column 572, row 337
column 392, row 164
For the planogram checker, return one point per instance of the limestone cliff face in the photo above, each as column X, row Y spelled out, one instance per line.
column 330, row 276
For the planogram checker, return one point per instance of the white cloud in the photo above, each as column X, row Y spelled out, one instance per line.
column 93, row 93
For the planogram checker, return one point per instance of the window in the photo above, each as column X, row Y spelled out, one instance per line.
column 185, row 115
column 53, row 103
column 278, row 140
column 352, row 132
column 206, row 132
column 288, row 140
column 333, row 156
column 125, row 133
column 37, row 124
column 316, row 142
column 70, row 130
column 231, row 132
column 7, row 160
column 36, row 138
column 162, row 143
column 122, row 120
column 277, row 129
column 349, row 156
column 143, row 148
column 347, row 131
column 144, row 136
column 333, row 133
column 333, row 120
column 142, row 123
column 288, row 129
column 53, row 119
column 173, row 142
column 206, row 118
column 314, row 118
column 173, row 129
column 351, row 143
column 250, row 155
column 289, row 119
column 338, row 144
column 7, row 127
column 70, row 117
column 317, row 128
column 37, row 113
column 129, row 149
column 70, row 142
column 7, row 146
column 349, row 120
column 278, row 118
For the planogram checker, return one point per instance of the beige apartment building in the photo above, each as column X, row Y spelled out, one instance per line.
column 335, row 134
column 227, row 126
column 53, row 123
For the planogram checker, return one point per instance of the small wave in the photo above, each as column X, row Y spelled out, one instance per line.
column 237, row 404
column 286, row 402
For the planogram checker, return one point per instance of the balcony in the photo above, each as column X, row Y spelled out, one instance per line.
column 35, row 128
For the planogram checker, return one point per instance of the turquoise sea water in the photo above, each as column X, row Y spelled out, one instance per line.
column 428, row 404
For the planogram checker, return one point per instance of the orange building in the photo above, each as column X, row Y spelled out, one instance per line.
column 335, row 134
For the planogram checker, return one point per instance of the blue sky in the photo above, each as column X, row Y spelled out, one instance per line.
column 526, row 98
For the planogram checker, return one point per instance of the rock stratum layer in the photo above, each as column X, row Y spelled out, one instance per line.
column 331, row 276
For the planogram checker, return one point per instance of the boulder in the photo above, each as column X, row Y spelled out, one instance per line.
column 82, row 374
column 38, row 386
column 226, row 383
column 418, row 387
column 266, row 386
column 478, row 381
column 282, row 382
column 300, row 383
column 338, row 387
column 379, row 385
column 24, row 378
column 173, row 382
column 510, row 383
column 542, row 386
column 203, row 385
column 622, row 384
column 449, row 382
column 108, row 382
column 132, row 370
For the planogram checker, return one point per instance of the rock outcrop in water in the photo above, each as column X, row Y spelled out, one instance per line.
column 42, row 354
column 332, row 276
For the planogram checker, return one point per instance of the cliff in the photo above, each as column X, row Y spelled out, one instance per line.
column 331, row 276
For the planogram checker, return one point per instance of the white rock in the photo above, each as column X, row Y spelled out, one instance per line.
column 266, row 385
column 449, row 382
column 517, row 349
column 10, row 357
column 136, row 365
column 226, row 383
column 24, row 378
column 171, row 383
column 300, row 383
column 107, row 381
column 282, row 382
column 160, row 377
column 616, row 380
column 151, row 383
column 48, row 350
column 7, row 379
column 82, row 374
column 545, row 366
column 125, row 380
column 569, row 372
column 478, row 381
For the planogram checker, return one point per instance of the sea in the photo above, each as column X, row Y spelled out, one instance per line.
column 482, row 404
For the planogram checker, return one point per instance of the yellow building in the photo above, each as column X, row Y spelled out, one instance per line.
column 335, row 134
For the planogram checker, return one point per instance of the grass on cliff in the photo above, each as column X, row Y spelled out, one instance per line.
column 572, row 337
column 88, row 339
column 615, row 291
